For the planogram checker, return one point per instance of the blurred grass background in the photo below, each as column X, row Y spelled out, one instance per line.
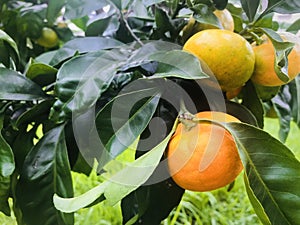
column 219, row 207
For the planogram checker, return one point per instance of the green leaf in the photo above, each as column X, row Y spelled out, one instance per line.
column 46, row 57
column 294, row 88
column 4, row 195
column 53, row 10
column 281, row 103
column 14, row 86
column 38, row 113
column 283, row 6
column 220, row 4
column 294, row 27
column 188, row 67
column 83, row 45
column 40, row 73
column 7, row 162
column 119, row 124
column 266, row 93
column 5, row 37
column 7, row 167
column 282, row 49
column 241, row 112
column 46, row 171
column 79, row 8
column 258, row 208
column 204, row 15
column 82, row 80
column 273, row 173
column 253, row 103
column 120, row 184
column 250, row 7
column 107, row 26
column 163, row 25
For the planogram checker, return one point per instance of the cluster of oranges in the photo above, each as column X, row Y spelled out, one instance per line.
column 205, row 157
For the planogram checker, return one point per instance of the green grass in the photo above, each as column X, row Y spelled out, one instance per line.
column 220, row 207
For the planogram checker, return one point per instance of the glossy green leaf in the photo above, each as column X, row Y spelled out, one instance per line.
column 38, row 113
column 119, row 185
column 119, row 124
column 82, row 80
column 282, row 105
column 7, row 162
column 258, row 208
column 250, row 8
column 46, row 57
column 107, row 26
column 294, row 27
column 83, row 45
column 79, row 8
column 283, row 6
column 7, row 167
column 40, row 73
column 273, row 173
column 241, row 112
column 14, row 86
column 5, row 37
column 188, row 67
column 53, row 10
column 253, row 103
column 46, row 171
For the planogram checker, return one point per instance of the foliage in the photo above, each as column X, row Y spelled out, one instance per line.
column 120, row 78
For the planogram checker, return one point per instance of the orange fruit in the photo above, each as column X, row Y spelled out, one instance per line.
column 205, row 157
column 233, row 93
column 264, row 73
column 48, row 38
column 227, row 54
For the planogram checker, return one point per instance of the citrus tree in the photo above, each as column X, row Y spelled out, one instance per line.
column 182, row 86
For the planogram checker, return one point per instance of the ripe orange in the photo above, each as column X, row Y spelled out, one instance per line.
column 264, row 73
column 48, row 38
column 205, row 157
column 228, row 55
column 233, row 93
